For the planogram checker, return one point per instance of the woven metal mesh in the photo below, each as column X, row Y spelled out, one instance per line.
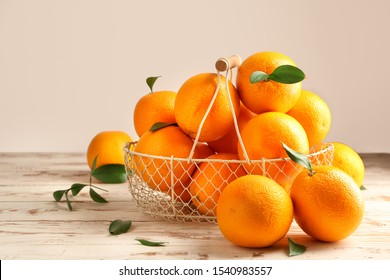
column 188, row 190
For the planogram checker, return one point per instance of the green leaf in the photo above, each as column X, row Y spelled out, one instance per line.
column 258, row 76
column 150, row 243
column 119, row 227
column 93, row 167
column 150, row 81
column 110, row 173
column 68, row 201
column 295, row 249
column 58, row 195
column 159, row 125
column 298, row 158
column 96, row 197
column 287, row 74
column 363, row 188
column 76, row 188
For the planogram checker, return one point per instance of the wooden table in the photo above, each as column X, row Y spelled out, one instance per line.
column 34, row 226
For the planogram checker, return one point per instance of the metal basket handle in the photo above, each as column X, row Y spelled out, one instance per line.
column 224, row 64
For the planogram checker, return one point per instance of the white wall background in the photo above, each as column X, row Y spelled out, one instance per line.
column 72, row 68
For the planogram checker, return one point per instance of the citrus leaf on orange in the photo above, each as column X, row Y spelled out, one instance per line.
column 298, row 157
column 150, row 81
column 258, row 76
column 159, row 125
column 110, row 173
column 287, row 74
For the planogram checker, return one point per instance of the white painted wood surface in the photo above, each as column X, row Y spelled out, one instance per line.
column 34, row 226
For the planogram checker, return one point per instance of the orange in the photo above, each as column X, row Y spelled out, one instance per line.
column 328, row 205
column 193, row 100
column 269, row 95
column 314, row 115
column 263, row 137
column 203, row 150
column 348, row 160
column 158, row 173
column 210, row 179
column 254, row 211
column 228, row 142
column 154, row 107
column 108, row 146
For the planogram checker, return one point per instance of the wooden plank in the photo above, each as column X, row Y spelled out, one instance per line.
column 194, row 241
column 34, row 226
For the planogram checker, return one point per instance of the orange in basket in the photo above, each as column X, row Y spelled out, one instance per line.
column 193, row 100
column 158, row 173
column 262, row 137
column 266, row 96
column 210, row 179
column 228, row 143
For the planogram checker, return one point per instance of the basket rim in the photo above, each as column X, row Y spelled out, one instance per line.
column 325, row 147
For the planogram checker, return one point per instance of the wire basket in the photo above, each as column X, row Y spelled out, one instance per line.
column 175, row 202
column 169, row 188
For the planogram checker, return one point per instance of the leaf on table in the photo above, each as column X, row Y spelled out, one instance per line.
column 295, row 249
column 58, row 195
column 96, row 197
column 68, row 202
column 76, row 188
column 119, row 226
column 150, row 243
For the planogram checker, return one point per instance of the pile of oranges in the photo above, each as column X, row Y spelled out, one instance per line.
column 217, row 130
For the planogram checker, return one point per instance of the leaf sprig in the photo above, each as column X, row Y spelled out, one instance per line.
column 77, row 187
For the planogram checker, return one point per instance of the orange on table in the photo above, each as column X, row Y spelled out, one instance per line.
column 313, row 114
column 155, row 172
column 152, row 108
column 328, row 205
column 348, row 160
column 228, row 142
column 193, row 99
column 108, row 147
column 269, row 95
column 262, row 137
column 210, row 179
column 254, row 211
